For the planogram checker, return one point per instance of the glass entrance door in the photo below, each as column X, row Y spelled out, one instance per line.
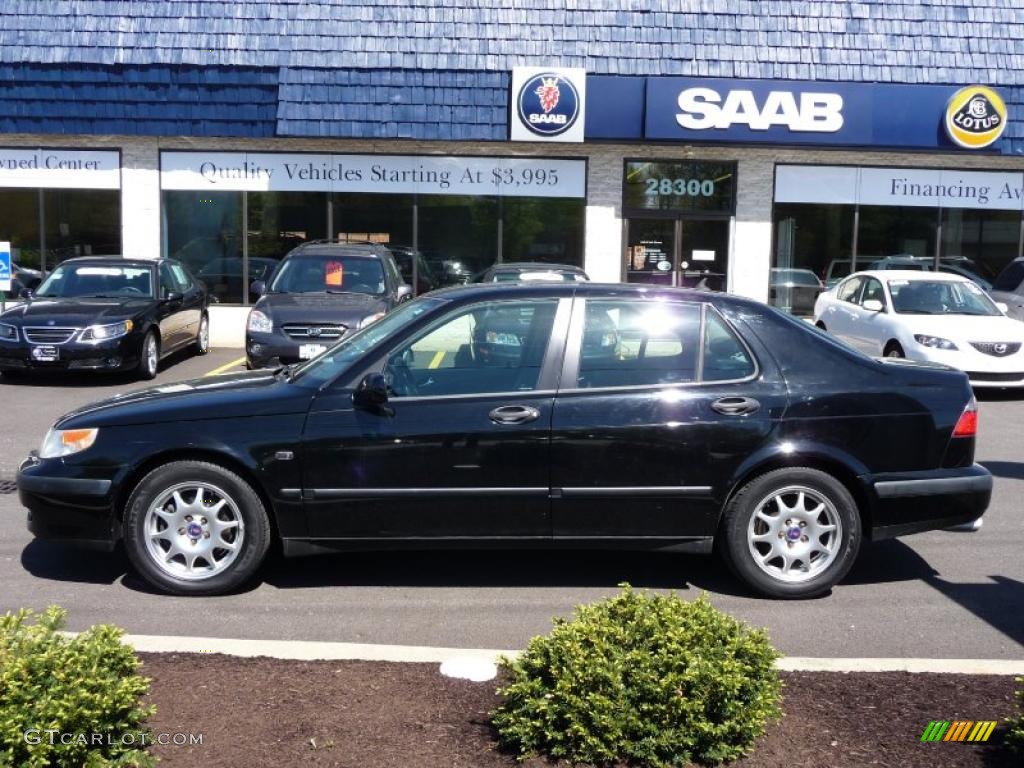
column 692, row 253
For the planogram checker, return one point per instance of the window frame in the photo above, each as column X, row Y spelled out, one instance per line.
column 867, row 279
column 574, row 345
column 550, row 368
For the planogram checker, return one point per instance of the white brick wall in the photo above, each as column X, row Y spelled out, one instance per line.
column 751, row 246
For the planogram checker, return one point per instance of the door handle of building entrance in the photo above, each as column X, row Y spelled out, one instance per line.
column 514, row 414
column 736, row 406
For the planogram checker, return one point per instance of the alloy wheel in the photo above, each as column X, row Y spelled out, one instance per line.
column 193, row 531
column 204, row 335
column 152, row 356
column 794, row 534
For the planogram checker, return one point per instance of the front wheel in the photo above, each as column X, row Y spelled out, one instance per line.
column 149, row 357
column 792, row 532
column 893, row 349
column 194, row 528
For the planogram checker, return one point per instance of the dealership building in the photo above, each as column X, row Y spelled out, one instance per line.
column 720, row 144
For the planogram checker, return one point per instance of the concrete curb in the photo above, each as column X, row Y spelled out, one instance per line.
column 303, row 650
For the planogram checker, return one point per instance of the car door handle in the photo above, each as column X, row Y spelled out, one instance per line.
column 736, row 406
column 514, row 414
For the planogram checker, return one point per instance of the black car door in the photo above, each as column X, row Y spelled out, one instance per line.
column 461, row 450
column 193, row 301
column 169, row 310
column 660, row 403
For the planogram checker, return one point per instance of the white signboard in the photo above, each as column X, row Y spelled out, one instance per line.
column 548, row 104
column 391, row 174
column 917, row 187
column 60, row 168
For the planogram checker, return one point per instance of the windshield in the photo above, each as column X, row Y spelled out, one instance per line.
column 795, row 277
column 329, row 274
column 97, row 281
column 332, row 362
column 934, row 297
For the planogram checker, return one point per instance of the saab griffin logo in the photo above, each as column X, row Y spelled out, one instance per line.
column 548, row 104
column 975, row 117
column 958, row 730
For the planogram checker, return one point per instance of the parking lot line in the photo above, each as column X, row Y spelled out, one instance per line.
column 437, row 359
column 225, row 367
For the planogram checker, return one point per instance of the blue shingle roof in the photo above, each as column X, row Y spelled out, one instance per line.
column 941, row 41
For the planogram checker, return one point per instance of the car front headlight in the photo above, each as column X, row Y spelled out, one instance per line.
column 8, row 332
column 935, row 342
column 259, row 322
column 64, row 442
column 107, row 332
column 370, row 319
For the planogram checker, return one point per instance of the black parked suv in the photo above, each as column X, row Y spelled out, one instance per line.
column 319, row 293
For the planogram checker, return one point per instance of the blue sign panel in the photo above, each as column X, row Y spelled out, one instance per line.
column 5, row 266
column 777, row 112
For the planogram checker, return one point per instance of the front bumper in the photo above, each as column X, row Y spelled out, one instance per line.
column 983, row 370
column 117, row 354
column 268, row 350
column 68, row 504
column 911, row 502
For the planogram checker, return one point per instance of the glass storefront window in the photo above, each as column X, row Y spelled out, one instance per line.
column 203, row 230
column 280, row 221
column 458, row 235
column 542, row 229
column 47, row 226
column 384, row 219
column 684, row 186
column 887, row 231
column 979, row 242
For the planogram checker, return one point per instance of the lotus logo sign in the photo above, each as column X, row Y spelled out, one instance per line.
column 975, row 117
column 547, row 104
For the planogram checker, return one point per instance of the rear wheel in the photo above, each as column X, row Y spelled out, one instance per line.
column 792, row 532
column 894, row 349
column 202, row 343
column 821, row 325
column 194, row 528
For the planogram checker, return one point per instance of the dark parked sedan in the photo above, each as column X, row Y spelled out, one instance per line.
column 106, row 314
column 567, row 414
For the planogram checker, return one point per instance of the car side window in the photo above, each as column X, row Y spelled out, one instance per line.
column 181, row 278
column 725, row 357
column 848, row 290
column 496, row 346
column 1010, row 279
column 168, row 284
column 872, row 290
column 638, row 342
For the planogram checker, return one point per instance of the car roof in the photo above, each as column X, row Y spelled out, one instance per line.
column 115, row 260
column 320, row 248
column 513, row 265
column 910, row 274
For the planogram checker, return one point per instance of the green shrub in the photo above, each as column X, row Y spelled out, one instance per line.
column 1015, row 736
column 641, row 678
column 79, row 686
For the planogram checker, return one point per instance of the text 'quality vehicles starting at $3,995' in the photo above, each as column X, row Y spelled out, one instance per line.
column 536, row 414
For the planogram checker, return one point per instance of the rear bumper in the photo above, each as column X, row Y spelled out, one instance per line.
column 911, row 502
column 66, row 507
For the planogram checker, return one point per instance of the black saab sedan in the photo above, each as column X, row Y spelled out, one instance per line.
column 106, row 314
column 532, row 415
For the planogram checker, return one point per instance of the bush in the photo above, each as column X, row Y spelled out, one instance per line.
column 641, row 678
column 78, row 686
column 1015, row 736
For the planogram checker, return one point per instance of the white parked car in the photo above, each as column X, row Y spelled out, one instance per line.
column 938, row 317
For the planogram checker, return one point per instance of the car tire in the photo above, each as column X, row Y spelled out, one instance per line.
column 893, row 349
column 149, row 357
column 766, row 524
column 201, row 346
column 821, row 325
column 176, row 517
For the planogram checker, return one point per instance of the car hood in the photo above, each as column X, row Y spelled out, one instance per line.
column 966, row 327
column 237, row 395
column 75, row 312
column 343, row 308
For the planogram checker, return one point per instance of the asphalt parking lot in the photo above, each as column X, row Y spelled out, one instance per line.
column 935, row 595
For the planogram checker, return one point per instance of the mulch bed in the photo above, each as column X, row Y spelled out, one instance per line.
column 254, row 712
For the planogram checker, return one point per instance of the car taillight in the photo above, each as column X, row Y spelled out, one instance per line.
column 967, row 425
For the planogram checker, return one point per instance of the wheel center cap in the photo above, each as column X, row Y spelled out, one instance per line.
column 794, row 533
column 194, row 530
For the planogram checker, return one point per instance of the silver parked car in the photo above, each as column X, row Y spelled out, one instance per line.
column 1008, row 289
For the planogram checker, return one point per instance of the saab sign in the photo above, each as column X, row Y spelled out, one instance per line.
column 703, row 108
column 548, row 104
column 781, row 112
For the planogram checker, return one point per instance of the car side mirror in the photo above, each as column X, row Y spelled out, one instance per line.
column 174, row 297
column 873, row 305
column 257, row 288
column 372, row 394
column 404, row 292
column 1002, row 307
column 26, row 294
